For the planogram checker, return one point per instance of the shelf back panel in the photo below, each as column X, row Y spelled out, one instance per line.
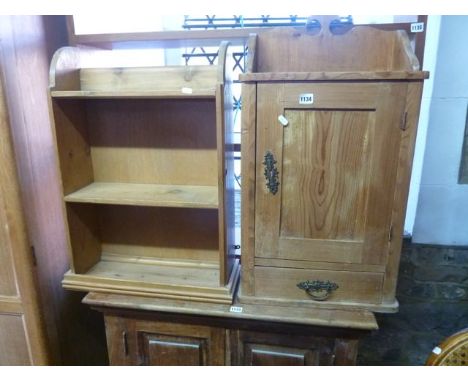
column 136, row 233
column 144, row 141
column 153, row 141
column 360, row 49
column 188, row 79
column 71, row 129
column 164, row 233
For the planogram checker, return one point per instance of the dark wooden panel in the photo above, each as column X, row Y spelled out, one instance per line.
column 272, row 349
column 74, row 334
column 160, row 350
column 14, row 348
column 117, row 341
column 157, row 343
column 264, row 355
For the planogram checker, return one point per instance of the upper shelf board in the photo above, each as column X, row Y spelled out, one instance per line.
column 67, row 77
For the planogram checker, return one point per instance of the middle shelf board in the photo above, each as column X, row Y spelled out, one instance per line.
column 182, row 93
column 151, row 195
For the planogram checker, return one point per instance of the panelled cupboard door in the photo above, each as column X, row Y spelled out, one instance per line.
column 153, row 343
column 267, row 349
column 328, row 152
column 22, row 332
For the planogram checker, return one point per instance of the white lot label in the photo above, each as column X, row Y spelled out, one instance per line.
column 437, row 350
column 282, row 119
column 236, row 309
column 306, row 99
column 417, row 27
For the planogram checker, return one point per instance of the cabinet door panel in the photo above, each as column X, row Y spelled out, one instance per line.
column 13, row 341
column 336, row 163
column 263, row 355
column 158, row 343
column 274, row 349
column 159, row 350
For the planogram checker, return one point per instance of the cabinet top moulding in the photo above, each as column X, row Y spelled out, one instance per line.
column 68, row 78
column 362, row 53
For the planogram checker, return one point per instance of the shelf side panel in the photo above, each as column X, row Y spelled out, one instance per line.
column 72, row 144
column 225, row 144
column 173, row 234
column 83, row 222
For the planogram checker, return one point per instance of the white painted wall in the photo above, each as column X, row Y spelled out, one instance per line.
column 442, row 210
column 430, row 59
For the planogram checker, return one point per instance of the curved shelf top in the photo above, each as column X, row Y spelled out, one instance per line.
column 68, row 78
column 361, row 53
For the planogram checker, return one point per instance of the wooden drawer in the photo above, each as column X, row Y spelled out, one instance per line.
column 281, row 283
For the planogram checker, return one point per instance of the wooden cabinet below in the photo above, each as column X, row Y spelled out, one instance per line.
column 155, row 343
column 156, row 332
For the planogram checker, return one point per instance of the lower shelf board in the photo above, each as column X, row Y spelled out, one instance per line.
column 151, row 280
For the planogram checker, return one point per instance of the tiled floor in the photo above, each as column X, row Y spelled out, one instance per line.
column 433, row 296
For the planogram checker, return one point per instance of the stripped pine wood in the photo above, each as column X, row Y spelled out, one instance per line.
column 405, row 161
column 106, row 279
column 330, row 116
column 147, row 232
column 151, row 141
column 383, row 172
column 293, row 304
column 146, row 155
column 314, row 187
column 188, row 80
column 328, row 250
column 83, row 237
column 363, row 287
column 360, row 49
column 304, row 264
column 337, row 318
column 226, row 158
column 330, row 76
column 155, row 195
column 203, row 263
column 249, row 103
column 361, row 95
column 71, row 130
column 154, row 274
column 178, row 94
column 324, row 174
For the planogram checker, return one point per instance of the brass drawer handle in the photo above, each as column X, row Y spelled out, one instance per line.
column 317, row 289
column 271, row 172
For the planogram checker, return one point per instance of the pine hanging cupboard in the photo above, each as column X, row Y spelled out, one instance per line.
column 328, row 132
